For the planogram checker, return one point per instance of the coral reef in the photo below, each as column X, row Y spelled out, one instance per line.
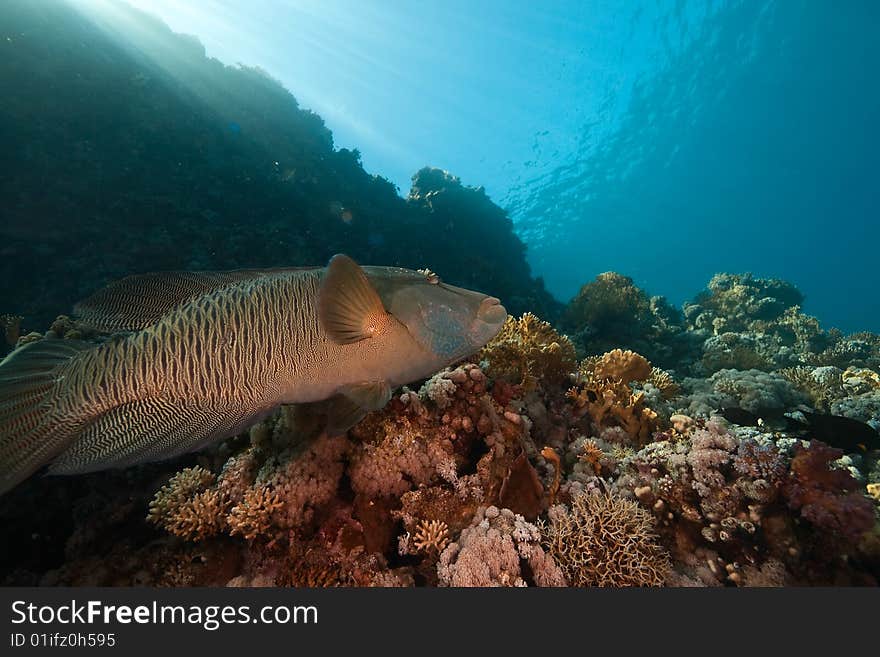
column 604, row 393
column 757, row 323
column 520, row 466
column 612, row 312
column 751, row 390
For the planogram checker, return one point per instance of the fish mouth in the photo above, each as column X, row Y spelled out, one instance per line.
column 491, row 311
column 490, row 318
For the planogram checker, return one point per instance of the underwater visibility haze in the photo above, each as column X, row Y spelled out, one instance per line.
column 259, row 259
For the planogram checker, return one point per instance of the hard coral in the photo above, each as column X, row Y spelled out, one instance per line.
column 610, row 302
column 603, row 393
column 252, row 517
column 187, row 507
column 606, row 540
column 529, row 352
column 612, row 312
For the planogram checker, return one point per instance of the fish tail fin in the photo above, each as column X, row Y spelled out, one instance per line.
column 33, row 426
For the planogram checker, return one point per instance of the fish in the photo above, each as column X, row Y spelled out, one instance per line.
column 767, row 418
column 199, row 356
column 838, row 431
column 848, row 434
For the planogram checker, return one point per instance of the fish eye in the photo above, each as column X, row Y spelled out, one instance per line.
column 430, row 276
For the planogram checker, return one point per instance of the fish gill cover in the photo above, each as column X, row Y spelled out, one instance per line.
column 618, row 440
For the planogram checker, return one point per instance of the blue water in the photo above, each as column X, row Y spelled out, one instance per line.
column 667, row 141
column 754, row 147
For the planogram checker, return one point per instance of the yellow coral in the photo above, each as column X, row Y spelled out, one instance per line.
column 199, row 517
column 252, row 517
column 592, row 455
column 605, row 540
column 179, row 489
column 187, row 507
column 661, row 380
column 625, row 366
column 822, row 391
column 529, row 351
column 431, row 536
column 604, row 393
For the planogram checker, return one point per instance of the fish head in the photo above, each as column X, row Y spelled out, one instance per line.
column 448, row 321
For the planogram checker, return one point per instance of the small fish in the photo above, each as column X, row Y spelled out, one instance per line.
column 207, row 354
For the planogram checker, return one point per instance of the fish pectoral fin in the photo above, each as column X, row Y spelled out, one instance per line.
column 349, row 308
column 369, row 395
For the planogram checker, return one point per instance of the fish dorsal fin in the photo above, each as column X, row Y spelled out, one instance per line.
column 349, row 308
column 136, row 302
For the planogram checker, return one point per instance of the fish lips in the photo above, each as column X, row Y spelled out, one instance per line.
column 488, row 322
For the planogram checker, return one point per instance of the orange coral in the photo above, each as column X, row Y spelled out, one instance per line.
column 431, row 536
column 625, row 366
column 592, row 455
column 603, row 392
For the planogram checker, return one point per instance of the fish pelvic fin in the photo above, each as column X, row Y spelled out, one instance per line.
column 34, row 425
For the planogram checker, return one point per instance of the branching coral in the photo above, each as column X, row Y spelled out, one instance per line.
column 606, row 540
column 603, row 393
column 187, row 507
column 529, row 352
column 431, row 536
column 252, row 516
